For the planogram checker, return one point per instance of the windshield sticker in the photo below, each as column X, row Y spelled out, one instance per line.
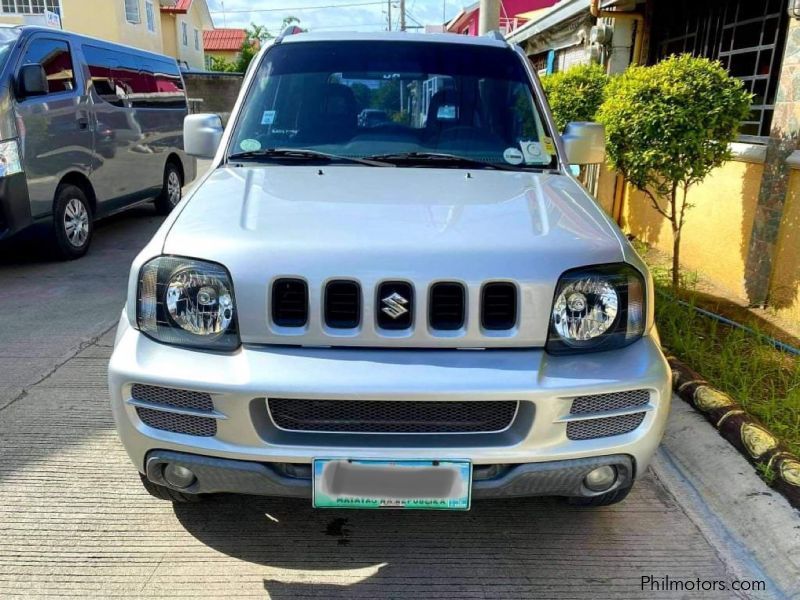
column 513, row 156
column 548, row 145
column 268, row 118
column 447, row 112
column 532, row 151
column 250, row 145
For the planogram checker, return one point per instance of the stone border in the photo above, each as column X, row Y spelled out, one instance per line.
column 746, row 433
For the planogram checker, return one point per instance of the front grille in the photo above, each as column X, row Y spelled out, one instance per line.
column 600, row 428
column 605, row 402
column 343, row 304
column 446, row 306
column 395, row 304
column 172, row 397
column 498, row 306
column 186, row 424
column 369, row 416
column 289, row 303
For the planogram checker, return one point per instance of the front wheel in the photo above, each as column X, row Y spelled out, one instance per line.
column 171, row 191
column 72, row 222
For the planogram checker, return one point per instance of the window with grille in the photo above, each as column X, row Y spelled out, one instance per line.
column 196, row 39
column 185, row 34
column 30, row 7
column 150, row 14
column 132, row 14
column 746, row 36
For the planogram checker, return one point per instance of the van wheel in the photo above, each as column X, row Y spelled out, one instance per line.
column 172, row 190
column 162, row 492
column 72, row 221
column 606, row 499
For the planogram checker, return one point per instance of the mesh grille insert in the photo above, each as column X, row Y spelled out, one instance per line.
column 172, row 397
column 343, row 304
column 186, row 424
column 605, row 402
column 289, row 303
column 600, row 428
column 498, row 306
column 447, row 306
column 369, row 416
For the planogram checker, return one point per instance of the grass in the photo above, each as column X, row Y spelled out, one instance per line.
column 764, row 380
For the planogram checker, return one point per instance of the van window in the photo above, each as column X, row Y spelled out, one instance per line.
column 55, row 57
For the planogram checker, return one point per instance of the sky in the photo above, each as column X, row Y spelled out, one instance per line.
column 337, row 15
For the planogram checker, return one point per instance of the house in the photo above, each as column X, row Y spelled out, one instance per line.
column 172, row 27
column 182, row 26
column 223, row 43
column 742, row 232
column 513, row 13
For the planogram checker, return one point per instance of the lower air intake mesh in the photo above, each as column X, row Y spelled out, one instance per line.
column 600, row 428
column 605, row 402
column 186, row 424
column 172, row 397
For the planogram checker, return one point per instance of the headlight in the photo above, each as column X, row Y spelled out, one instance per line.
column 597, row 308
column 10, row 163
column 187, row 302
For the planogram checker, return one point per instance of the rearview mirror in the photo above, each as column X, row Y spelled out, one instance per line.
column 585, row 143
column 202, row 135
column 31, row 81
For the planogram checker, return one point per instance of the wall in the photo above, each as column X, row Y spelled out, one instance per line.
column 784, row 292
column 217, row 90
column 106, row 20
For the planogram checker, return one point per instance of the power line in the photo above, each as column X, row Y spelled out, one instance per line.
column 295, row 8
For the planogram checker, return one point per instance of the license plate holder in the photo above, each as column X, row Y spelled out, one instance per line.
column 405, row 484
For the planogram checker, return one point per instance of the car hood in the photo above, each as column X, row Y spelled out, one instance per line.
column 373, row 224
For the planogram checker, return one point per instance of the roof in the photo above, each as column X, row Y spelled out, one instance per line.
column 176, row 6
column 224, row 39
column 560, row 12
column 394, row 36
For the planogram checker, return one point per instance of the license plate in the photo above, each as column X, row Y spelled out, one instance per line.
column 418, row 484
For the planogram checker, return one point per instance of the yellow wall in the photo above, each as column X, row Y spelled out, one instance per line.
column 784, row 294
column 229, row 55
column 716, row 235
column 196, row 19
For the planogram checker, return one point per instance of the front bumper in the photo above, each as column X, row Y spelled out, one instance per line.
column 240, row 382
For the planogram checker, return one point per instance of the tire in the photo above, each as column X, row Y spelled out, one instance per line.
column 164, row 493
column 171, row 189
column 72, row 222
column 606, row 499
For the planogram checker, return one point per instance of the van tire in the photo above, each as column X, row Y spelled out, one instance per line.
column 162, row 492
column 72, row 222
column 606, row 499
column 171, row 190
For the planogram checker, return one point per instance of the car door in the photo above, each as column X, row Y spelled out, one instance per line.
column 56, row 129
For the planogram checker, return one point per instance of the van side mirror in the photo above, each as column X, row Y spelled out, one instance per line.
column 202, row 135
column 585, row 143
column 31, row 81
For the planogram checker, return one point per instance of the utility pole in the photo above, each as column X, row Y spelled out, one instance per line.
column 402, row 15
column 489, row 16
column 389, row 4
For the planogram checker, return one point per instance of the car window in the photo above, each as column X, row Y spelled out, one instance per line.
column 364, row 99
column 55, row 58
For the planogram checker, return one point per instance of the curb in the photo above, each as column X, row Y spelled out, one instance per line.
column 744, row 432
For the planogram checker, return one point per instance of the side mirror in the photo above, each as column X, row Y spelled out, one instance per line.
column 31, row 81
column 585, row 143
column 202, row 135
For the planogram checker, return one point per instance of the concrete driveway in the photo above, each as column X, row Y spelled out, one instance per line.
column 74, row 520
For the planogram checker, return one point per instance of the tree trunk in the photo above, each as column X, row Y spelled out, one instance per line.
column 676, row 259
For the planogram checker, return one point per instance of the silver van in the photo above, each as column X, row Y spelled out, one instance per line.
column 87, row 128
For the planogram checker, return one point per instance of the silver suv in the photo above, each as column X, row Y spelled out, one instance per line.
column 412, row 313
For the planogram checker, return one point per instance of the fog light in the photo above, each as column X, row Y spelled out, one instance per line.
column 600, row 479
column 178, row 476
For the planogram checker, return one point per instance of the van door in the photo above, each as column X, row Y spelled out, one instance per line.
column 56, row 129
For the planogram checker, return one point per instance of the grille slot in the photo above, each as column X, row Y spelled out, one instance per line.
column 343, row 304
column 498, row 306
column 186, row 424
column 600, row 428
column 172, row 397
column 395, row 305
column 446, row 306
column 370, row 416
column 290, row 303
column 605, row 402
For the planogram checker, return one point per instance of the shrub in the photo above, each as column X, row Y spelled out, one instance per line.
column 575, row 94
column 667, row 126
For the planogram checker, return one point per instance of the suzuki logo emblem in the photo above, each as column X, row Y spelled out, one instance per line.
column 394, row 305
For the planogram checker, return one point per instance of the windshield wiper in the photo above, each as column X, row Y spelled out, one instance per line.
column 303, row 155
column 438, row 159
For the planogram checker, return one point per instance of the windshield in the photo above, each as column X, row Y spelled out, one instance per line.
column 406, row 103
column 8, row 37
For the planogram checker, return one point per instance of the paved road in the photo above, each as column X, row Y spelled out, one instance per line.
column 74, row 520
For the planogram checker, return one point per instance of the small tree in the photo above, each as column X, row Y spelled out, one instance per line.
column 667, row 126
column 575, row 94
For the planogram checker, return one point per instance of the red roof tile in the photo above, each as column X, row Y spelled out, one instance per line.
column 181, row 6
column 223, row 39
